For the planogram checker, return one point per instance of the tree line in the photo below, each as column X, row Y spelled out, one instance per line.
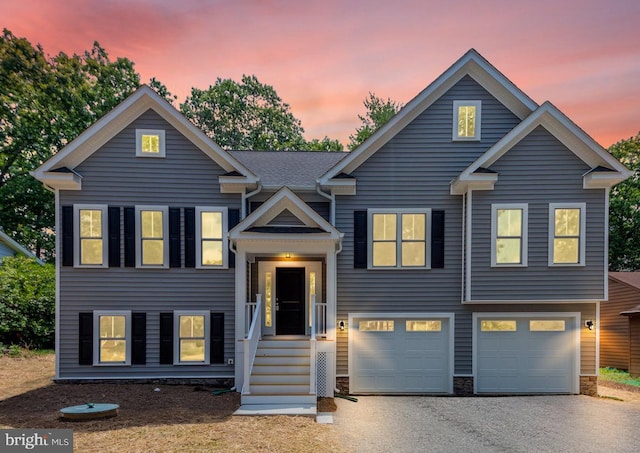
column 47, row 101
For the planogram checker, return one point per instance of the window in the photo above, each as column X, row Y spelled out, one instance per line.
column 90, row 231
column 191, row 337
column 509, row 234
column 112, row 342
column 466, row 120
column 498, row 326
column 567, row 234
column 211, row 244
column 150, row 143
column 378, row 325
column 152, row 226
column 423, row 325
column 399, row 239
column 547, row 325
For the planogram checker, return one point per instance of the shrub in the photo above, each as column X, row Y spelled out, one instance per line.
column 27, row 303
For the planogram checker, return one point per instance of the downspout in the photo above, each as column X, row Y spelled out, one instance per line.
column 464, row 229
column 332, row 199
column 246, row 196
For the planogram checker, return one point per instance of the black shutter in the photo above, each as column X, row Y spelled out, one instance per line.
column 85, row 339
column 437, row 239
column 138, row 338
column 174, row 237
column 360, row 239
column 130, row 237
column 166, row 338
column 189, row 237
column 217, row 337
column 67, row 236
column 114, row 236
column 234, row 219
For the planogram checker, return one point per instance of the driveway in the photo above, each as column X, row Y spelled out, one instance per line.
column 488, row 424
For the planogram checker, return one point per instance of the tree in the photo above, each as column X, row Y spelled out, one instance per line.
column 326, row 144
column 624, row 210
column 44, row 104
column 379, row 111
column 245, row 115
column 27, row 303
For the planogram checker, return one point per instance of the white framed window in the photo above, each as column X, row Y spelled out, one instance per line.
column 567, row 234
column 90, row 233
column 150, row 143
column 509, row 234
column 112, row 337
column 152, row 236
column 399, row 239
column 211, row 237
column 466, row 120
column 191, row 337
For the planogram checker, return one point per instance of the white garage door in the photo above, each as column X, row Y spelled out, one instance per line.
column 400, row 354
column 525, row 354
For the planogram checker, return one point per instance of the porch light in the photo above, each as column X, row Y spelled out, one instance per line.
column 341, row 325
column 288, row 255
column 589, row 324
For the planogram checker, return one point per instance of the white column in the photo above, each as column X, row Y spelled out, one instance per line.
column 240, row 301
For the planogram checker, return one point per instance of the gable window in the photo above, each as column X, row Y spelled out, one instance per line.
column 466, row 120
column 112, row 343
column 211, row 242
column 91, row 235
column 509, row 234
column 192, row 337
column 567, row 234
column 398, row 239
column 150, row 143
column 152, row 226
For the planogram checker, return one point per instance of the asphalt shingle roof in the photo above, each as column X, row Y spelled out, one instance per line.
column 294, row 169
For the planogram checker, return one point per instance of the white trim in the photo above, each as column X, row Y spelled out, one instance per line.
column 398, row 240
column 529, row 301
column 451, row 317
column 58, row 265
column 161, row 138
column 605, row 296
column 176, row 335
column 524, row 233
column 597, row 328
column 456, row 118
column 153, row 378
column 531, row 315
column 582, row 239
column 77, row 249
column 165, row 236
column 225, row 237
column 96, row 336
column 13, row 245
column 468, row 244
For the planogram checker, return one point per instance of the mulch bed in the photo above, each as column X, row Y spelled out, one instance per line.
column 140, row 405
column 619, row 386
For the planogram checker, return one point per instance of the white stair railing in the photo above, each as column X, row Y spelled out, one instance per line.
column 320, row 323
column 254, row 314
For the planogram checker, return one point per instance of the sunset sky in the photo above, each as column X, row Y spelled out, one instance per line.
column 323, row 57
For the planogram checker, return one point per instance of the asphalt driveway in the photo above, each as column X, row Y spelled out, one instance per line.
column 488, row 424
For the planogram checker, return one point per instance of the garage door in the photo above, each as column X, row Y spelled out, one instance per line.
column 400, row 354
column 525, row 354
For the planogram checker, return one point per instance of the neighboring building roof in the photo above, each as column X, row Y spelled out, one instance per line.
column 13, row 245
column 297, row 170
column 628, row 278
column 144, row 98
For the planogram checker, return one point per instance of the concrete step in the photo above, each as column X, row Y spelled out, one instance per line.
column 297, row 344
column 280, row 369
column 282, row 360
column 309, row 410
column 285, row 352
column 280, row 389
column 278, row 399
column 281, row 379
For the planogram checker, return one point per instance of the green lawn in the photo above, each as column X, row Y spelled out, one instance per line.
column 613, row 375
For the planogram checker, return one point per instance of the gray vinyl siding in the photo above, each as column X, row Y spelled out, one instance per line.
column 113, row 175
column 614, row 329
column 413, row 170
column 539, row 170
column 5, row 251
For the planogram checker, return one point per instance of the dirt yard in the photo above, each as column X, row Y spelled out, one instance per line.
column 176, row 418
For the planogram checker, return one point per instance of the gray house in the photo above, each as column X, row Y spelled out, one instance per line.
column 9, row 247
column 461, row 249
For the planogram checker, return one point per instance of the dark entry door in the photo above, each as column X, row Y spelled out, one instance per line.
column 290, row 301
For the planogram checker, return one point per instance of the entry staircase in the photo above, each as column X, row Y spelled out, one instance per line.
column 280, row 381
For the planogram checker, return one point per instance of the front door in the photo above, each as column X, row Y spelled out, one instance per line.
column 290, row 301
